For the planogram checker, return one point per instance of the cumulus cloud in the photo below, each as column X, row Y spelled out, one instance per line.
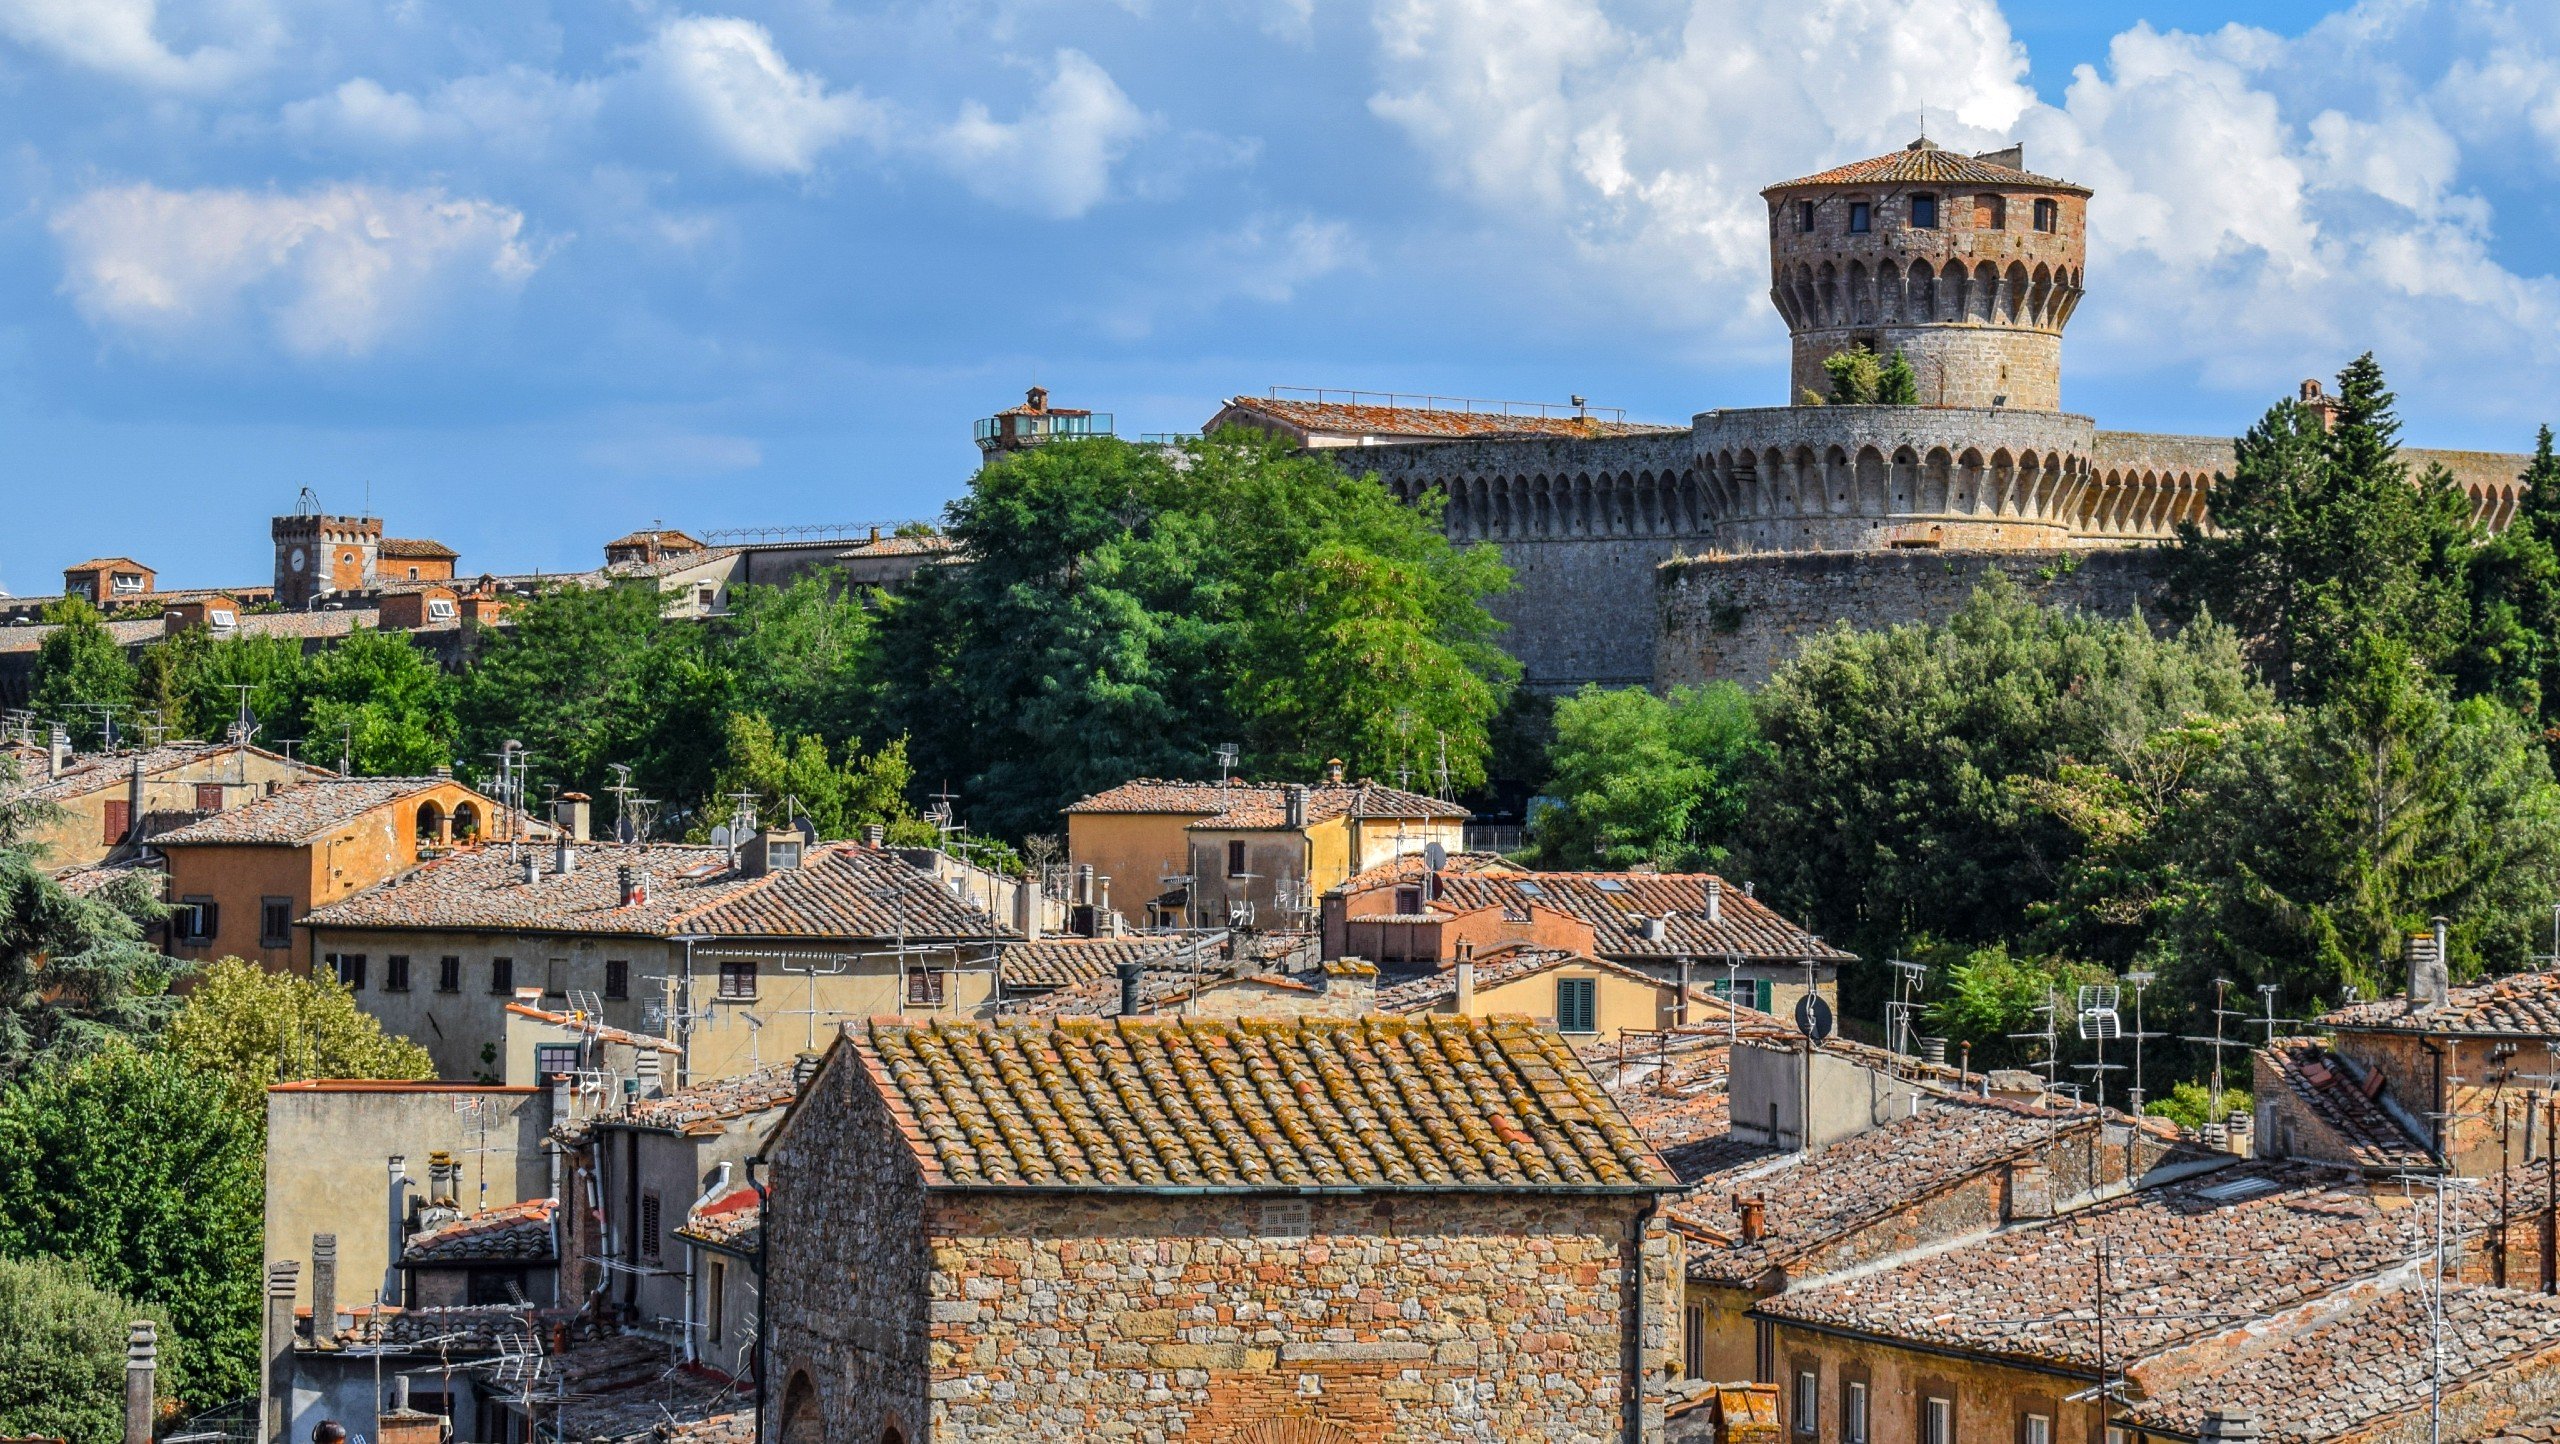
column 2261, row 201
column 747, row 101
column 338, row 271
column 122, row 38
column 518, row 111
column 1056, row 158
column 1269, row 259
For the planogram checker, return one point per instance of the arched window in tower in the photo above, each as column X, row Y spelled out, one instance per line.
column 1990, row 213
column 1924, row 213
column 2048, row 215
column 1861, row 218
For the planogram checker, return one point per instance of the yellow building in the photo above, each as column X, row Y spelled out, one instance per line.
column 1208, row 854
column 1583, row 998
column 243, row 877
column 110, row 803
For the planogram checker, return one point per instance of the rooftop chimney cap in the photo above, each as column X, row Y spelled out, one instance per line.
column 1130, row 974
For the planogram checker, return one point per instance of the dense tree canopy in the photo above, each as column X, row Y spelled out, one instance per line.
column 80, row 667
column 62, row 1353
column 1638, row 778
column 255, row 1029
column 76, row 970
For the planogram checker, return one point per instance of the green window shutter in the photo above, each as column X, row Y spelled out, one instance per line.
column 1577, row 1005
column 1760, row 994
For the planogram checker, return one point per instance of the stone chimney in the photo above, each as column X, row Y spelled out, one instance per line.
column 1350, row 988
column 804, row 1068
column 1333, row 772
column 324, row 1286
column 1293, row 806
column 1026, row 909
column 626, row 884
column 58, row 756
column 650, row 1069
column 574, row 813
column 1755, row 1218
column 396, row 1199
column 2229, row 1425
column 133, row 795
column 1083, row 893
column 1131, row 1004
column 564, row 856
column 141, row 1369
column 528, row 869
column 275, row 1409
column 1715, row 901
column 875, row 834
column 1466, row 971
column 2424, row 954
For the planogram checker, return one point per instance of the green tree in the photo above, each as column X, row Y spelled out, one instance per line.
column 62, row 1353
column 190, row 680
column 151, row 1177
column 255, row 1029
column 1859, row 377
column 1886, row 806
column 76, row 970
column 79, row 667
column 2513, row 650
column 1647, row 779
column 800, row 655
column 1986, row 996
column 2324, row 540
column 1897, row 384
column 378, row 704
column 586, row 678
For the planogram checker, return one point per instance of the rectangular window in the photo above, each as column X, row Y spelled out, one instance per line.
column 617, row 978
column 550, row 1060
column 1990, row 213
column 208, row 797
column 118, row 820
column 199, row 918
column 924, row 988
column 2035, row 1429
column 275, row 922
column 2048, row 216
column 502, row 976
column 1853, row 1413
column 350, row 968
column 494, row 1286
column 649, row 1247
column 1235, row 859
column 715, row 1312
column 1861, row 217
column 1577, row 1005
column 1693, row 1342
column 395, row 973
column 1808, row 1411
column 439, row 609
column 448, row 975
column 738, row 980
column 1408, row 900
column 1937, row 1421
column 1804, row 215
column 555, row 978
column 1924, row 213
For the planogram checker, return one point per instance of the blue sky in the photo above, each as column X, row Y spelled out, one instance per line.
column 525, row 275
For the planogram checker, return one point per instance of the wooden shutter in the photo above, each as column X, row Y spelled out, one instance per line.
column 119, row 819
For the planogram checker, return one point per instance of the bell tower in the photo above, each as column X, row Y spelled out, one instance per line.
column 317, row 554
column 1969, row 265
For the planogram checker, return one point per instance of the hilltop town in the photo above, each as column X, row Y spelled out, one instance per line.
column 1896, row 918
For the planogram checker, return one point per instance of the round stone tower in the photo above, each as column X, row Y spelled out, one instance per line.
column 1968, row 265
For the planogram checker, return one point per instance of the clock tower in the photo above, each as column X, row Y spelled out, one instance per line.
column 317, row 554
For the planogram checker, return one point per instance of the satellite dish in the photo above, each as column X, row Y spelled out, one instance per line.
column 808, row 831
column 1434, row 856
column 1813, row 1017
column 721, row 837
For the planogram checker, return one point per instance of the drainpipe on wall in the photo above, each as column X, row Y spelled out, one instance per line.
column 764, row 1316
column 1633, row 1396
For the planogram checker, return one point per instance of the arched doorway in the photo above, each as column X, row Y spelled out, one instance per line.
column 800, row 1423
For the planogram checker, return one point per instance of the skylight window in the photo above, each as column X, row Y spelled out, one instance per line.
column 1609, row 884
column 2237, row 1189
column 1531, row 889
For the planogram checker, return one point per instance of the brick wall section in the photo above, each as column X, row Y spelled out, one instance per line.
column 1741, row 617
column 1413, row 1317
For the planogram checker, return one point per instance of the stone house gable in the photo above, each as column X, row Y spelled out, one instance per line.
column 947, row 1260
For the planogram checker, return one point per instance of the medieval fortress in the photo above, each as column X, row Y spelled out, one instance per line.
column 1654, row 555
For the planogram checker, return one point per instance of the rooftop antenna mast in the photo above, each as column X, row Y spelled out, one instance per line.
column 2099, row 1021
column 2142, row 979
column 1908, row 977
column 2051, row 1036
column 2221, row 1014
column 622, row 792
column 106, row 722
column 813, row 966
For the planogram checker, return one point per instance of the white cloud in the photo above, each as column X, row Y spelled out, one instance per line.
column 519, row 111
column 2262, row 203
column 1268, row 259
column 728, row 77
column 123, row 38
column 1057, row 158
column 337, row 271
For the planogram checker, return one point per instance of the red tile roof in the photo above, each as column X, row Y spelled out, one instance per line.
column 930, row 544
column 1924, row 164
column 2326, row 1086
column 1376, row 1103
column 1247, row 805
column 1064, row 962
column 301, row 812
column 94, row 771
column 743, row 1096
column 415, row 549
column 517, row 1231
column 2525, row 1005
column 1432, row 422
column 1615, row 904
column 733, row 1221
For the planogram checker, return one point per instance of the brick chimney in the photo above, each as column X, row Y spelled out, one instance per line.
column 875, row 834
column 1755, row 1218
column 141, row 1368
column 574, row 813
column 1350, row 988
column 324, row 1286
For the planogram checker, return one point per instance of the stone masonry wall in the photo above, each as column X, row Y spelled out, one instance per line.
column 1408, row 1317
column 1739, row 618
column 845, row 1269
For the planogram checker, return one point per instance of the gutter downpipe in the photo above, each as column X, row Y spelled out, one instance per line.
column 764, row 1316
column 1632, row 1362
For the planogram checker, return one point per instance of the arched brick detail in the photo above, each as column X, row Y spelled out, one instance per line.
column 1297, row 1431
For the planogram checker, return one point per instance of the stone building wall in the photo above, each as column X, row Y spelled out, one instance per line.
column 1403, row 1318
column 1739, row 618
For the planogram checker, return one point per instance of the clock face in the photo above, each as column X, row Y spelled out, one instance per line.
column 294, row 559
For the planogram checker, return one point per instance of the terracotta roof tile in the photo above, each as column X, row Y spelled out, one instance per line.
column 1615, row 905
column 91, row 771
column 2326, row 1084
column 1065, row 962
column 735, row 1220
column 2521, row 1005
column 1247, row 805
column 766, row 1088
column 1373, row 1103
column 1926, row 164
column 2188, row 1259
column 517, row 1231
column 301, row 811
column 415, row 548
column 932, row 544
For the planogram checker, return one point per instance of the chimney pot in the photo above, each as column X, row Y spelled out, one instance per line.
column 805, row 1067
column 1755, row 1219
column 141, row 1368
column 2424, row 955
column 1715, row 901
column 58, row 753
column 2230, row 1425
column 572, row 813
column 1333, row 772
column 875, row 834
column 1466, row 985
column 529, row 868
column 1129, row 977
column 564, row 858
column 324, row 1286
column 625, row 883
column 649, row 1069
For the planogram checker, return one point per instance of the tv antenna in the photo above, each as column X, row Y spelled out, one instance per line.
column 2221, row 1015
column 1908, row 979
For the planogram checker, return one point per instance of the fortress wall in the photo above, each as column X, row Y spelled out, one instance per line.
column 1737, row 618
column 1582, row 525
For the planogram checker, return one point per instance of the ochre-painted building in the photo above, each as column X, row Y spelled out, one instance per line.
column 111, row 804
